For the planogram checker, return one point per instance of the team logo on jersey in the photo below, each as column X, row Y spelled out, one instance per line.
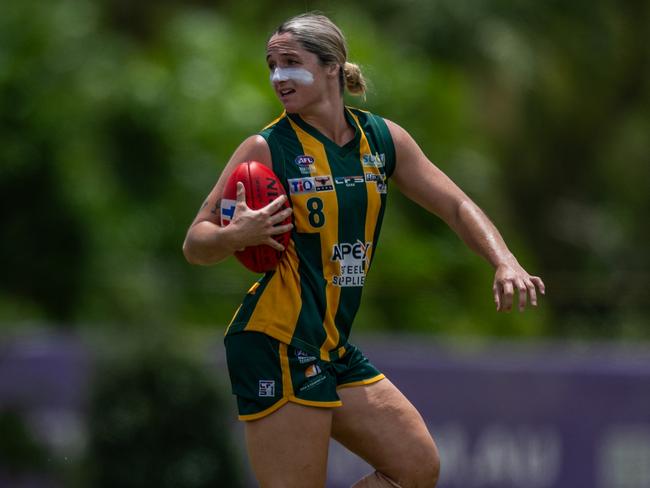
column 227, row 211
column 266, row 388
column 313, row 370
column 374, row 160
column 353, row 259
column 348, row 180
column 379, row 179
column 310, row 184
column 324, row 183
column 304, row 163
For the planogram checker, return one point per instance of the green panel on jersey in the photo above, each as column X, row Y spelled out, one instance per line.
column 309, row 329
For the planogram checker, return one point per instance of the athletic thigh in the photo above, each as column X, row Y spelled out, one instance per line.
column 288, row 448
column 378, row 423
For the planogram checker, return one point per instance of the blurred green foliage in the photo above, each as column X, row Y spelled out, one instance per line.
column 20, row 453
column 157, row 418
column 117, row 117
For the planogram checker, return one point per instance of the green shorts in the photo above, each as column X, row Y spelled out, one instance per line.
column 265, row 374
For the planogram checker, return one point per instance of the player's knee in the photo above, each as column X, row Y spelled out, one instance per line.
column 433, row 467
column 420, row 470
column 423, row 470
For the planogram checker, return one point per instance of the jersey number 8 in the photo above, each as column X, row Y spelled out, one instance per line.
column 316, row 216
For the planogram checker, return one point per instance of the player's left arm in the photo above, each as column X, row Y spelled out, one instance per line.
column 424, row 183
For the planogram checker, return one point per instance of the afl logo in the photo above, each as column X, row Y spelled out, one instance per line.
column 304, row 162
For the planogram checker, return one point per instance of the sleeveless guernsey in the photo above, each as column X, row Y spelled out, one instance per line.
column 338, row 195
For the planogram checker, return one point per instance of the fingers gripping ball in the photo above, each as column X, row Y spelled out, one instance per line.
column 261, row 186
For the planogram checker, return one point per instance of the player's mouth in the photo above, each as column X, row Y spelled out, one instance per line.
column 286, row 92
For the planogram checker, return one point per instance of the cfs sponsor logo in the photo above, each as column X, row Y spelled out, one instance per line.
column 313, row 370
column 310, row 184
column 379, row 179
column 352, row 259
column 304, row 163
column 304, row 357
column 266, row 388
column 348, row 180
column 227, row 211
column 374, row 160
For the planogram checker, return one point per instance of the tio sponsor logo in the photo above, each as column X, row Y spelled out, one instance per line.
column 301, row 185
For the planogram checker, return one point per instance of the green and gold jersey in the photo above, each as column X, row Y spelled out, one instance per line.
column 338, row 195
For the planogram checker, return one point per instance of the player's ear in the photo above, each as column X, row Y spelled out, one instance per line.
column 333, row 70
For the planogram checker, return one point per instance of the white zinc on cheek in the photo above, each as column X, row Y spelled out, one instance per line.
column 299, row 75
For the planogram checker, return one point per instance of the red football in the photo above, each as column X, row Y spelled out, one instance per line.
column 262, row 187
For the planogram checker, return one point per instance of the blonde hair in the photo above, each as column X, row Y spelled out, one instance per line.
column 319, row 35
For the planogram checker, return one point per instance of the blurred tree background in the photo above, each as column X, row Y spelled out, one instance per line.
column 116, row 118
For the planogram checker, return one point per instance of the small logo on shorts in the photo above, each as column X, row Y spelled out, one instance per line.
column 303, row 357
column 267, row 388
column 313, row 370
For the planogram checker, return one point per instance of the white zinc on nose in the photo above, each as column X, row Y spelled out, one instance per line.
column 299, row 75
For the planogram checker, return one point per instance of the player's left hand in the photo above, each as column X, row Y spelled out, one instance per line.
column 511, row 276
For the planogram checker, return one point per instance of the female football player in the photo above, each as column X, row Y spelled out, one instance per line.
column 297, row 379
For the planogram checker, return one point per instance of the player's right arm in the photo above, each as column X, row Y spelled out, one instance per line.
column 421, row 181
column 207, row 242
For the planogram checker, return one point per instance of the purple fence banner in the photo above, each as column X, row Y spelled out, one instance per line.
column 504, row 415
column 522, row 416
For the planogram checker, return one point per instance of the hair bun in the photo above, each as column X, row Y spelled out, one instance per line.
column 354, row 80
